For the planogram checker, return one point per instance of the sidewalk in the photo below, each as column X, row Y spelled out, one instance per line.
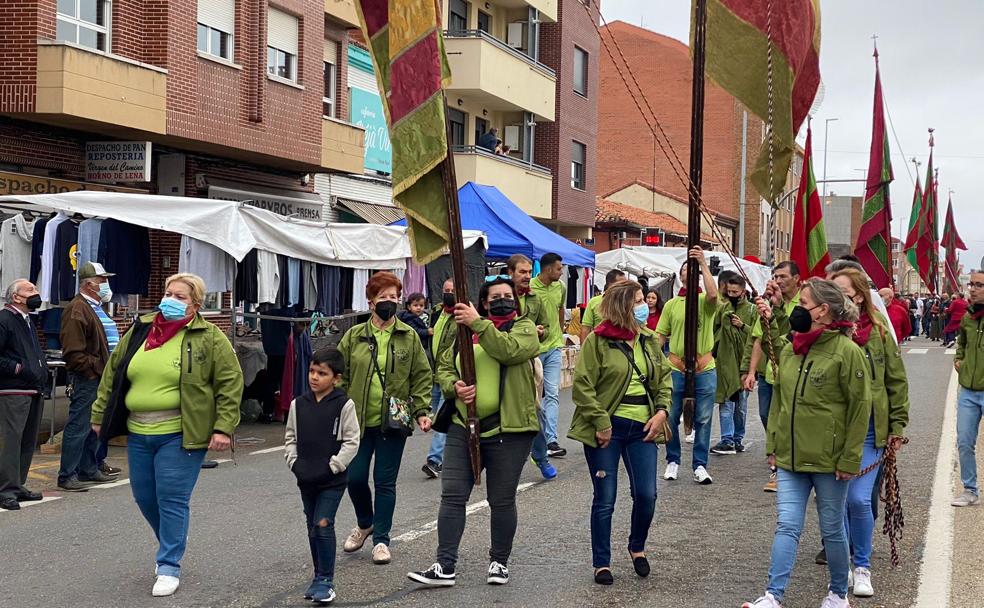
column 967, row 588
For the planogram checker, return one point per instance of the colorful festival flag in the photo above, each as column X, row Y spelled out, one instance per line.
column 412, row 70
column 809, row 244
column 923, row 238
column 951, row 242
column 914, row 218
column 874, row 246
column 740, row 35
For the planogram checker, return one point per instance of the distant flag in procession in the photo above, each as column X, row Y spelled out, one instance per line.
column 809, row 244
column 874, row 246
column 951, row 242
column 412, row 70
column 924, row 238
column 737, row 58
column 915, row 216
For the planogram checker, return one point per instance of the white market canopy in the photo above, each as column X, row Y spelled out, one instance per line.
column 665, row 262
column 237, row 228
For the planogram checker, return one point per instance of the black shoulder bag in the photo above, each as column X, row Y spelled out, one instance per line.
column 665, row 434
column 396, row 418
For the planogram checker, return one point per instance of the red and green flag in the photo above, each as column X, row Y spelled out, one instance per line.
column 874, row 246
column 951, row 242
column 914, row 217
column 923, row 239
column 809, row 244
column 740, row 36
column 412, row 70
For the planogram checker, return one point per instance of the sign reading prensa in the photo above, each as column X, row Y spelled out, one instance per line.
column 117, row 161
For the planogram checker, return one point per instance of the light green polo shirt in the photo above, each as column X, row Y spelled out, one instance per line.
column 552, row 299
column 155, row 386
column 374, row 409
column 592, row 318
column 638, row 413
column 671, row 324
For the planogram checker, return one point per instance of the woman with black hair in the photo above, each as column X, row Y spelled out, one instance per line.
column 504, row 345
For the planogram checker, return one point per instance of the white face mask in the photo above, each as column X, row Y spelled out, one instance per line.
column 105, row 293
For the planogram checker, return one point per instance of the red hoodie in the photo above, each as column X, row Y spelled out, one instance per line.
column 899, row 316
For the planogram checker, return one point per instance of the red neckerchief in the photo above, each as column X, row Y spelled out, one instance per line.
column 522, row 291
column 448, row 310
column 683, row 291
column 802, row 342
column 498, row 322
column 862, row 330
column 976, row 312
column 613, row 332
column 163, row 330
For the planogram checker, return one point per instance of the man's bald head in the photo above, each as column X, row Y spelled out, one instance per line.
column 887, row 295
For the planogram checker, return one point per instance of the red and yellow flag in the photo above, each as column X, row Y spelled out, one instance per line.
column 809, row 243
column 412, row 70
column 739, row 36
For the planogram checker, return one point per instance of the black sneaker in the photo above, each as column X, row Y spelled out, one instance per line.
column 431, row 469
column 724, row 447
column 108, row 470
column 73, row 485
column 435, row 576
column 739, row 447
column 498, row 574
column 555, row 451
column 821, row 558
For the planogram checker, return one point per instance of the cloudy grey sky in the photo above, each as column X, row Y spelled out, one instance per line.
column 932, row 76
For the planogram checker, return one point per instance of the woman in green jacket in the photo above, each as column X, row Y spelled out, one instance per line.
column 389, row 379
column 622, row 389
column 504, row 395
column 816, row 430
column 889, row 417
column 173, row 384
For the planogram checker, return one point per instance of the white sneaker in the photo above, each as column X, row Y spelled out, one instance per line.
column 165, row 585
column 834, row 601
column 702, row 477
column 381, row 554
column 690, row 438
column 766, row 601
column 966, row 499
column 672, row 469
column 862, row 583
column 850, row 577
column 356, row 539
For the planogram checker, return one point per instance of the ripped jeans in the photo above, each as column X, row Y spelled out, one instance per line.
column 640, row 459
column 320, row 507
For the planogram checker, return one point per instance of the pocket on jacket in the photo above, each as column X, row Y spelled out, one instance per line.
column 312, row 473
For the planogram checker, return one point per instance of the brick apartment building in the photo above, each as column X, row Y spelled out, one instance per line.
column 628, row 154
column 233, row 96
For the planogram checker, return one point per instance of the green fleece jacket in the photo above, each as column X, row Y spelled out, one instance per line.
column 730, row 344
column 970, row 352
column 822, row 405
column 602, row 377
column 889, row 384
column 514, row 350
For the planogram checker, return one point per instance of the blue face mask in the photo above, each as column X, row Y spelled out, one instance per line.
column 173, row 309
column 641, row 312
column 105, row 293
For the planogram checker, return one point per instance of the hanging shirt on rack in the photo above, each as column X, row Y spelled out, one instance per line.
column 214, row 266
column 37, row 248
column 283, row 295
column 347, row 278
column 415, row 278
column 64, row 265
column 294, row 281
column 309, row 274
column 89, row 231
column 329, row 288
column 16, row 234
column 360, row 278
column 571, row 287
column 247, row 275
column 125, row 250
column 48, row 255
column 267, row 277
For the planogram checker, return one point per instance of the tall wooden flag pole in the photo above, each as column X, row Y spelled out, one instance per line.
column 690, row 326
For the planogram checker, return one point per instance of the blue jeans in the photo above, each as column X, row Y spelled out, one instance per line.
column 320, row 507
column 733, row 417
column 970, row 407
column 162, row 477
column 549, row 406
column 640, row 459
column 436, row 454
column 859, row 519
column 388, row 451
column 703, row 412
column 79, row 443
column 765, row 399
column 791, row 503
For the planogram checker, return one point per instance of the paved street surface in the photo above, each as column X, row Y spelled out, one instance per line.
column 709, row 545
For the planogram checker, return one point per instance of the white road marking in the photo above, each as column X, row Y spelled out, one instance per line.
column 918, row 351
column 430, row 526
column 936, row 570
column 222, row 460
column 278, row 448
column 32, row 503
column 115, row 484
column 951, row 351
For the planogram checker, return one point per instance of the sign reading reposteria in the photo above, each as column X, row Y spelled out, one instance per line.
column 117, row 161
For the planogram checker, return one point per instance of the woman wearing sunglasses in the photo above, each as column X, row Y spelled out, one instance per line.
column 503, row 394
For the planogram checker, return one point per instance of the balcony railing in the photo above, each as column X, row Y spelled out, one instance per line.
column 502, row 46
column 480, row 151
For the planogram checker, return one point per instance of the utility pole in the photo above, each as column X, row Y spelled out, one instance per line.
column 826, row 128
column 741, row 186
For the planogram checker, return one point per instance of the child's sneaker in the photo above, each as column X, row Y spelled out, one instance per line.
column 325, row 594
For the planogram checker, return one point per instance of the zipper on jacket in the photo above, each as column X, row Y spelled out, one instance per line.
column 871, row 362
column 792, row 418
column 807, row 374
column 189, row 357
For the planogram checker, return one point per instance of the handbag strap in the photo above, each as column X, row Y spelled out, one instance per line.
column 643, row 379
column 373, row 348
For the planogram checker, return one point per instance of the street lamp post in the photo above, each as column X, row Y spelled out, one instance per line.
column 826, row 127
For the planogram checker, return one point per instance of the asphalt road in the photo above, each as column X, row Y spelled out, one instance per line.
column 709, row 545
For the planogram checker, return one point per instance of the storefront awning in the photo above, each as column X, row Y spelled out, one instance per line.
column 372, row 213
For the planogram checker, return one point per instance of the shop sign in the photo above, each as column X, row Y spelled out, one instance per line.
column 117, row 161
column 367, row 112
column 281, row 204
column 22, row 184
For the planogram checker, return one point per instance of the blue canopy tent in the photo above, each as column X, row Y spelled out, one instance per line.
column 510, row 230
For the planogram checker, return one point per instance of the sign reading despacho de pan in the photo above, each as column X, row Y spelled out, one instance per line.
column 117, row 161
column 23, row 184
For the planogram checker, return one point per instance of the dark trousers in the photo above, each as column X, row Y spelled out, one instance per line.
column 79, row 443
column 503, row 458
column 388, row 451
column 20, row 418
column 320, row 507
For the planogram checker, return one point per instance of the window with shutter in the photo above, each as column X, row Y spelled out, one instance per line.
column 282, row 44
column 216, row 27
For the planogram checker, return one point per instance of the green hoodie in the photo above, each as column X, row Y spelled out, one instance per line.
column 889, row 384
column 822, row 405
column 211, row 383
column 970, row 352
column 602, row 377
column 730, row 347
column 408, row 374
column 513, row 350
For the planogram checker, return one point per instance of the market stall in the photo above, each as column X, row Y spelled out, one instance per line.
column 663, row 264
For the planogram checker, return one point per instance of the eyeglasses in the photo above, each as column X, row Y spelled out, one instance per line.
column 976, row 285
column 498, row 277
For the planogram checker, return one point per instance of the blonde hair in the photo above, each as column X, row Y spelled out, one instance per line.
column 859, row 282
column 194, row 283
column 841, row 307
column 617, row 304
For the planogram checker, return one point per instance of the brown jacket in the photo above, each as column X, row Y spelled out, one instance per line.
column 83, row 339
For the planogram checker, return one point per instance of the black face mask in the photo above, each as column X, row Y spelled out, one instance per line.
column 33, row 302
column 800, row 320
column 448, row 300
column 385, row 310
column 502, row 307
column 734, row 300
